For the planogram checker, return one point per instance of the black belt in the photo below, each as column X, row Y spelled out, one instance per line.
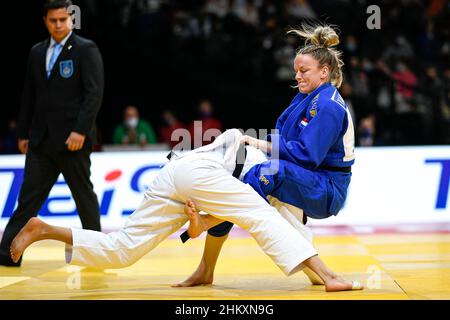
column 170, row 155
column 240, row 159
column 337, row 169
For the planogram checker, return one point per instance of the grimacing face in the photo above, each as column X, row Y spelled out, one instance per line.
column 59, row 23
column 308, row 74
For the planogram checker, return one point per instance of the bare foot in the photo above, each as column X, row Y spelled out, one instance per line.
column 198, row 278
column 338, row 284
column 196, row 224
column 30, row 233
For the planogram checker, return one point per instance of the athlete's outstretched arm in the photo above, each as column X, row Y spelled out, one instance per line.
column 263, row 145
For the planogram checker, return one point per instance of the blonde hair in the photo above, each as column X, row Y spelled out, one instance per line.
column 319, row 41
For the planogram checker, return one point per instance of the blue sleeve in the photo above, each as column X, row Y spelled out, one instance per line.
column 315, row 140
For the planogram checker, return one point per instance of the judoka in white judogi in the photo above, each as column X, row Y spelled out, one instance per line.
column 203, row 175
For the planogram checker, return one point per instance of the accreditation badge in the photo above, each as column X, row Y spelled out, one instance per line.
column 66, row 68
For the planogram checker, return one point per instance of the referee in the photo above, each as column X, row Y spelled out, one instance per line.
column 61, row 98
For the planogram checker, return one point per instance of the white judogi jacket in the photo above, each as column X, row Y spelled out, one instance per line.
column 226, row 145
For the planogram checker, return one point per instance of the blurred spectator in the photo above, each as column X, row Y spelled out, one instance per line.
column 133, row 130
column 400, row 48
column 285, row 56
column 366, row 131
column 169, row 124
column 300, row 9
column 351, row 46
column 434, row 90
column 247, row 12
column 405, row 85
column 269, row 8
column 428, row 45
column 347, row 95
column 435, row 7
column 10, row 139
column 207, row 124
column 217, row 7
column 358, row 79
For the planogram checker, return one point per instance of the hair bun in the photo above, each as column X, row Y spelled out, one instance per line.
column 319, row 36
column 324, row 37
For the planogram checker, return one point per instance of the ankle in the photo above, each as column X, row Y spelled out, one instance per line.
column 205, row 223
column 43, row 232
column 205, row 268
column 328, row 277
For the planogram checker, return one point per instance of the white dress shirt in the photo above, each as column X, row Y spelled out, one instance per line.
column 51, row 48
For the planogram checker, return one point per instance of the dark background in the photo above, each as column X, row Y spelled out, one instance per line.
column 170, row 54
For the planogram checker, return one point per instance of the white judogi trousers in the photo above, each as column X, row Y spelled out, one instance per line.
column 203, row 178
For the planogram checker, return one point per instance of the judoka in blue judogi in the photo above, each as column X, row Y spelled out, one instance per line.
column 311, row 157
column 313, row 152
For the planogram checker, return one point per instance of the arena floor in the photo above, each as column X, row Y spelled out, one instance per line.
column 392, row 265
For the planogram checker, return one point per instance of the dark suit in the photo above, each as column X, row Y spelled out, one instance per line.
column 51, row 109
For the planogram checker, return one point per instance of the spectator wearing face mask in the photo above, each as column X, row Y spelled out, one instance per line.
column 133, row 130
column 204, row 129
column 169, row 125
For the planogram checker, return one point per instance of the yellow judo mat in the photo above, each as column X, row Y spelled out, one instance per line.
column 391, row 266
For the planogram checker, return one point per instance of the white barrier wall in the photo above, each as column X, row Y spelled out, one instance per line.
column 397, row 185
column 118, row 178
column 400, row 185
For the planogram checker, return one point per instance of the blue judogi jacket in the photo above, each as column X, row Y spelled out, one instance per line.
column 314, row 132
